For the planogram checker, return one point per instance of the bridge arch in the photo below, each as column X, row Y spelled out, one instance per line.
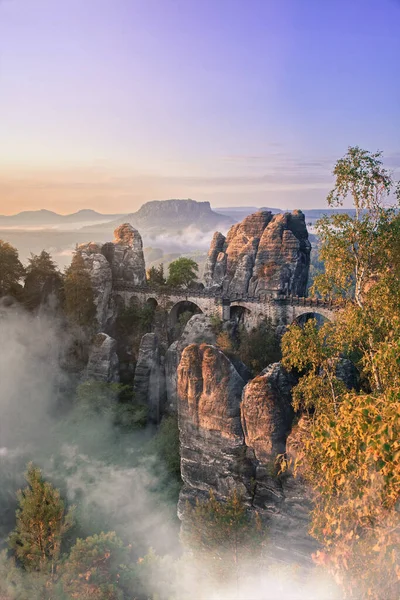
column 239, row 314
column 152, row 302
column 180, row 308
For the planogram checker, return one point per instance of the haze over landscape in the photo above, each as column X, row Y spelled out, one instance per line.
column 107, row 104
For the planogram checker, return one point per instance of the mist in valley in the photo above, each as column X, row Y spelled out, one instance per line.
column 116, row 480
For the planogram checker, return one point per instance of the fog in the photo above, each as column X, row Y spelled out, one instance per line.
column 115, row 481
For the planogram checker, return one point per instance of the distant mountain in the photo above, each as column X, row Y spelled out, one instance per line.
column 35, row 218
column 170, row 216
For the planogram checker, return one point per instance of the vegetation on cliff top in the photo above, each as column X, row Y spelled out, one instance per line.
column 350, row 449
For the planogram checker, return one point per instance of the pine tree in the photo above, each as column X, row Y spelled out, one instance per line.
column 79, row 298
column 155, row 276
column 223, row 534
column 41, row 270
column 11, row 270
column 96, row 568
column 41, row 524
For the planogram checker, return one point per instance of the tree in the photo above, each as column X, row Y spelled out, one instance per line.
column 79, row 297
column 41, row 270
column 354, row 248
column 155, row 276
column 349, row 436
column 41, row 524
column 11, row 270
column 183, row 272
column 111, row 401
column 223, row 534
column 259, row 347
column 96, row 568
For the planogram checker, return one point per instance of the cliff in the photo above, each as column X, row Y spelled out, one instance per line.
column 120, row 260
column 231, row 435
column 263, row 253
column 213, row 453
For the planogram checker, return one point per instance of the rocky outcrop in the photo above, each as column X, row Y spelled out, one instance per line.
column 267, row 412
column 101, row 279
column 126, row 255
column 283, row 256
column 103, row 364
column 215, row 268
column 228, row 443
column 213, row 453
column 283, row 501
column 118, row 261
column 199, row 329
column 149, row 383
column 263, row 253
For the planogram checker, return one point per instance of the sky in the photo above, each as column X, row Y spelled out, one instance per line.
column 107, row 104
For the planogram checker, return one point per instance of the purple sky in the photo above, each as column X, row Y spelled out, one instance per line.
column 110, row 103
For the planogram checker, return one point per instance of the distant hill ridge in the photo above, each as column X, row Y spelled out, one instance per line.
column 161, row 215
column 48, row 217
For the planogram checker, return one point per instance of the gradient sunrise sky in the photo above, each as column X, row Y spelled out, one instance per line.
column 106, row 104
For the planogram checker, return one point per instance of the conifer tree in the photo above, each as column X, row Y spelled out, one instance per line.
column 222, row 534
column 97, row 568
column 79, row 298
column 40, row 271
column 11, row 270
column 42, row 522
column 155, row 275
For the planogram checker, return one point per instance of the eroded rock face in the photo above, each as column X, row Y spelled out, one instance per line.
column 267, row 412
column 149, row 384
column 198, row 329
column 263, row 253
column 231, row 443
column 215, row 268
column 101, row 278
column 127, row 263
column 118, row 261
column 103, row 364
column 213, row 453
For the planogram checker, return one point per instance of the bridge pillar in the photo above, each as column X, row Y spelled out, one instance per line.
column 226, row 309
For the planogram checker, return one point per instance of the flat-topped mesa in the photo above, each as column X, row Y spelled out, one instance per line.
column 263, row 253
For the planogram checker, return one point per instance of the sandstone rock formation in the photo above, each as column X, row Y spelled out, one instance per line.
column 213, row 453
column 198, row 329
column 118, row 261
column 263, row 253
column 126, row 255
column 267, row 412
column 103, row 364
column 284, row 502
column 101, row 278
column 149, row 383
column 228, row 443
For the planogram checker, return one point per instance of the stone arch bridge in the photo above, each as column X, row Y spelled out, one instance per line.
column 283, row 310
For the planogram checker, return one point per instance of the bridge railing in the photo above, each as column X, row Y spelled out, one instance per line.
column 263, row 297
